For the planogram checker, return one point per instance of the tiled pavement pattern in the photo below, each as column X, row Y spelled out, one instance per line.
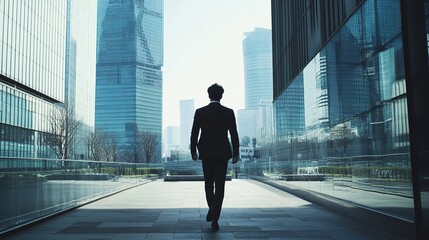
column 177, row 210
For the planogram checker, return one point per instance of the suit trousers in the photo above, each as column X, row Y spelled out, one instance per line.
column 214, row 182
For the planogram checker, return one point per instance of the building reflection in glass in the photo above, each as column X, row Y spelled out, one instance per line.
column 345, row 116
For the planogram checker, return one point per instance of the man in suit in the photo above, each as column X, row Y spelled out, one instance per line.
column 214, row 121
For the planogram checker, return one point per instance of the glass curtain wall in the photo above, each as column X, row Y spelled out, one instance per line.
column 32, row 50
column 343, row 121
column 80, row 69
column 129, row 75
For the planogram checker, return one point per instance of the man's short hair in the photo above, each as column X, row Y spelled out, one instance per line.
column 215, row 92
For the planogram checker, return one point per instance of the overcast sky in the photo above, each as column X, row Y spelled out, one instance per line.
column 202, row 46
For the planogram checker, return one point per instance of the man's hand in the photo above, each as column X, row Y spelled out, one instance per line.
column 235, row 159
column 194, row 156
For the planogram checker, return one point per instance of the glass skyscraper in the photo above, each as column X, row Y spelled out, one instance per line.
column 255, row 121
column 32, row 73
column 80, row 68
column 257, row 56
column 129, row 76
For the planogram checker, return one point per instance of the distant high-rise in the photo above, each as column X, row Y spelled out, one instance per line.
column 258, row 77
column 247, row 122
column 80, row 67
column 265, row 121
column 255, row 121
column 129, row 76
column 172, row 140
column 187, row 109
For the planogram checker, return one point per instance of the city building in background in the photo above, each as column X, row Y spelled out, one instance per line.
column 341, row 101
column 258, row 70
column 187, row 110
column 266, row 121
column 32, row 75
column 247, row 122
column 80, row 66
column 171, row 140
column 255, row 121
column 129, row 75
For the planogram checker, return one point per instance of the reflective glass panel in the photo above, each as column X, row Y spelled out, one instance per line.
column 342, row 124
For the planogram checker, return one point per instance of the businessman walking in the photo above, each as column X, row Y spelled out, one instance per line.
column 214, row 121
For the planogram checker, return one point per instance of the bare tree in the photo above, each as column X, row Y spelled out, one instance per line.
column 111, row 147
column 147, row 144
column 342, row 136
column 63, row 130
column 103, row 146
column 95, row 142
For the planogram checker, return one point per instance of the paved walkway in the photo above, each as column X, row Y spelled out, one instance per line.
column 177, row 210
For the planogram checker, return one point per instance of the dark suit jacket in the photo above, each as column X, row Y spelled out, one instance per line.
column 214, row 121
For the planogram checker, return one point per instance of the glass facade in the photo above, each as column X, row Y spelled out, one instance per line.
column 32, row 53
column 129, row 76
column 32, row 45
column 80, row 67
column 344, row 116
column 257, row 56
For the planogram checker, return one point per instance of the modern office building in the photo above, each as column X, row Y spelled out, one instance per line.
column 187, row 111
column 257, row 57
column 350, row 87
column 80, row 66
column 247, row 123
column 129, row 75
column 265, row 121
column 44, row 71
column 32, row 74
column 255, row 121
column 171, row 140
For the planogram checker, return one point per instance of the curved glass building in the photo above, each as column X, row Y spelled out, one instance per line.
column 257, row 56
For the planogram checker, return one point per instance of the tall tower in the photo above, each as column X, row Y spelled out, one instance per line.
column 255, row 120
column 258, row 79
column 187, row 109
column 129, row 76
column 172, row 140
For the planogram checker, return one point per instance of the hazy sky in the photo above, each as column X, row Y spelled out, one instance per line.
column 202, row 46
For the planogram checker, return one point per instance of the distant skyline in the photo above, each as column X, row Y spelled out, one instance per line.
column 203, row 45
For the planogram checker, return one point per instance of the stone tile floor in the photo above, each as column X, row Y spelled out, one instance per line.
column 177, row 210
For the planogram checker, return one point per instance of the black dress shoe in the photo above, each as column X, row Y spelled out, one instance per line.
column 215, row 225
column 209, row 217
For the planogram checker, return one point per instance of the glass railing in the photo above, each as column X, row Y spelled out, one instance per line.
column 380, row 182
column 32, row 189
